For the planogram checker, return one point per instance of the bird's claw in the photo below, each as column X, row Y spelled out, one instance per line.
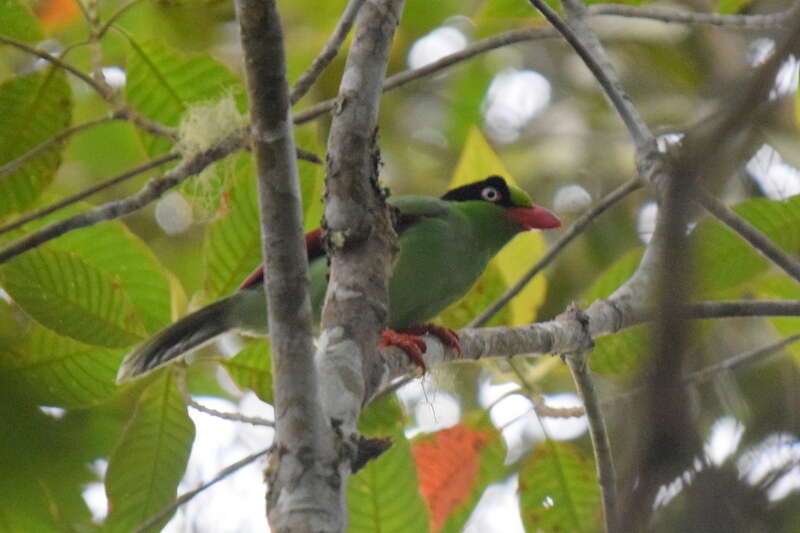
column 447, row 336
column 408, row 342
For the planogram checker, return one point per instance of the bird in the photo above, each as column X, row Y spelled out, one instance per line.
column 444, row 246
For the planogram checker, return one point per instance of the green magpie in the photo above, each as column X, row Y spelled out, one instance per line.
column 444, row 246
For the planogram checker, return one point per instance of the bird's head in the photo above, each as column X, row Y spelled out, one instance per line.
column 517, row 204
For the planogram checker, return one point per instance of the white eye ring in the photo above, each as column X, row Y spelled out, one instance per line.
column 490, row 194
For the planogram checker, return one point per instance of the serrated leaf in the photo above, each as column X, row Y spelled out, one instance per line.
column 251, row 369
column 778, row 220
column 33, row 108
column 162, row 82
column 18, row 22
column 150, row 459
column 100, row 286
column 383, row 496
column 558, row 490
column 59, row 371
column 478, row 161
column 232, row 246
column 455, row 466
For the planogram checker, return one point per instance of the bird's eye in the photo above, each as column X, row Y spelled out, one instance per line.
column 490, row 194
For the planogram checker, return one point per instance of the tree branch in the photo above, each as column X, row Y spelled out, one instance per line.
column 14, row 164
column 328, row 53
column 100, row 89
column 298, row 498
column 128, row 174
column 152, row 190
column 601, row 446
column 675, row 16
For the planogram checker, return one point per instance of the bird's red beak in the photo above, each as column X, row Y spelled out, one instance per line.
column 534, row 217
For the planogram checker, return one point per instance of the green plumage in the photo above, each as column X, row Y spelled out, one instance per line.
column 444, row 246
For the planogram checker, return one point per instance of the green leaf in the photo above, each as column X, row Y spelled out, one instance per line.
column 382, row 417
column 731, row 7
column 60, row 371
column 163, row 82
column 44, row 470
column 558, row 490
column 18, row 22
column 232, row 246
column 100, row 285
column 251, row 369
column 455, row 466
column 383, row 496
column 623, row 352
column 33, row 108
column 778, row 220
column 149, row 461
column 613, row 276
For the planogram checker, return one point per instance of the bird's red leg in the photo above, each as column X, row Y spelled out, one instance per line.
column 447, row 336
column 411, row 344
column 409, row 341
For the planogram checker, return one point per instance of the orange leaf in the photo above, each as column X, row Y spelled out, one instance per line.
column 447, row 466
column 56, row 14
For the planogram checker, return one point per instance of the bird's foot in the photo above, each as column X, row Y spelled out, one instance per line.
column 409, row 341
column 447, row 336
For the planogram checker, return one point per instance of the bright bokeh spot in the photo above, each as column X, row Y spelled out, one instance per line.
column 776, row 178
column 173, row 213
column 434, row 46
column 572, row 199
column 646, row 221
column 514, row 98
column 726, row 433
column 115, row 76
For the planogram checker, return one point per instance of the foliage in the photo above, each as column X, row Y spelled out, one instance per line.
column 72, row 307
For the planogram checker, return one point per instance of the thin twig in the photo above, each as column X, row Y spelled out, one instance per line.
column 596, row 60
column 601, row 446
column 57, row 62
column 233, row 417
column 114, row 16
column 741, row 308
column 128, row 174
column 14, row 164
column 402, row 78
column 186, row 496
column 328, row 53
column 752, row 235
column 576, row 229
column 675, row 16
column 152, row 190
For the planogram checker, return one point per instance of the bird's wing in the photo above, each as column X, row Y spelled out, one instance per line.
column 408, row 211
column 411, row 209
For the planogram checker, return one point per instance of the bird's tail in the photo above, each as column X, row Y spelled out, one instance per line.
column 188, row 333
